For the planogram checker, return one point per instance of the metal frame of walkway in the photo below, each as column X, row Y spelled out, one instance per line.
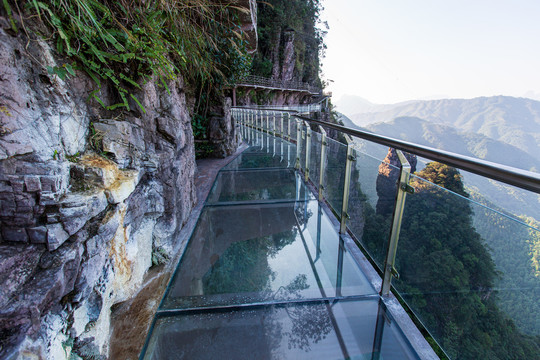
column 261, row 83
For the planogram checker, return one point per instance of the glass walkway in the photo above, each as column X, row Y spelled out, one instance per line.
column 266, row 275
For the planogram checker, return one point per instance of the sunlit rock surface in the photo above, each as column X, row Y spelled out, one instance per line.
column 86, row 196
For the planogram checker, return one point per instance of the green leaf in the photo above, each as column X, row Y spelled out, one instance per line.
column 10, row 15
column 61, row 72
column 116, row 106
column 97, row 98
column 69, row 69
column 138, row 103
column 124, row 77
column 164, row 84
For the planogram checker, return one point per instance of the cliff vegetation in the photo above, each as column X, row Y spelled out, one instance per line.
column 448, row 274
column 125, row 42
column 290, row 43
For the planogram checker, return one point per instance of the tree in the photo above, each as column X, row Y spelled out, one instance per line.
column 447, row 273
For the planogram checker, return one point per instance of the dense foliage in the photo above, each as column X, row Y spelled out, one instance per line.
column 276, row 17
column 447, row 274
column 124, row 42
column 515, row 247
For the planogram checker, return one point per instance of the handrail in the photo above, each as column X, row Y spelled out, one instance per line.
column 252, row 80
column 527, row 180
column 298, row 108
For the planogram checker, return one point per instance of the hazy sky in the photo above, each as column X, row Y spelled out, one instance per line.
column 394, row 50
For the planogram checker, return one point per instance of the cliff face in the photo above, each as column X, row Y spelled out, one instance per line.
column 87, row 198
column 90, row 199
column 290, row 40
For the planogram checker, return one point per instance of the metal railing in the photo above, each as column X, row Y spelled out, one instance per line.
column 512, row 176
column 294, row 109
column 259, row 81
column 517, row 177
column 294, row 127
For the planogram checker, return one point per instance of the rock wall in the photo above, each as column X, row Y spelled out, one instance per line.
column 289, row 56
column 222, row 132
column 88, row 198
column 248, row 23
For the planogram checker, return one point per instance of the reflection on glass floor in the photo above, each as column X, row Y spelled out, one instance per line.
column 266, row 276
column 339, row 329
column 258, row 185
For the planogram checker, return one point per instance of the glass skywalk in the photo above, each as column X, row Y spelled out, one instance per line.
column 266, row 275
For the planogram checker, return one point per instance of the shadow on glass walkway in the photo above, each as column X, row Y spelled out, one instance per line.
column 266, row 275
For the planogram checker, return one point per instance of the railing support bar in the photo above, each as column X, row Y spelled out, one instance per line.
column 308, row 151
column 281, row 125
column 298, row 144
column 402, row 189
column 346, row 185
column 322, row 164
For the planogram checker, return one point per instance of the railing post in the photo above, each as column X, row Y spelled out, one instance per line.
column 274, row 123
column 288, row 127
column 346, row 185
column 298, row 144
column 250, row 138
column 248, row 129
column 308, row 150
column 267, row 131
column 322, row 165
column 402, row 189
column 281, row 125
column 282, row 140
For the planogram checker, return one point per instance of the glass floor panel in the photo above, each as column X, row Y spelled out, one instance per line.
column 337, row 268
column 339, row 329
column 262, row 160
column 258, row 253
column 259, row 185
column 265, row 275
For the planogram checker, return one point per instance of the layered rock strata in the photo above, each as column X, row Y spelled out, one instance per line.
column 88, row 198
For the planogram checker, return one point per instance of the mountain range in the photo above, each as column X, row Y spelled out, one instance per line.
column 500, row 129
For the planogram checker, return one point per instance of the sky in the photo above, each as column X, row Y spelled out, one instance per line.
column 387, row 51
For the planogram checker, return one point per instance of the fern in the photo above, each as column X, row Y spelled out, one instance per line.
column 10, row 15
column 124, row 43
